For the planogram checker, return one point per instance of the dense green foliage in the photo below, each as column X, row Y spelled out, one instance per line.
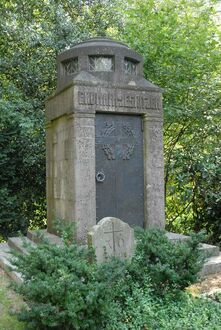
column 32, row 34
column 169, row 266
column 66, row 289
column 147, row 312
column 180, row 43
column 181, row 46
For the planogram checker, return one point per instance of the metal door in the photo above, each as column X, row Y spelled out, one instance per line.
column 119, row 168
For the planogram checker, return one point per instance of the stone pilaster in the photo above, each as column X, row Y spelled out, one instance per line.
column 82, row 172
column 71, row 172
column 49, row 172
column 153, row 172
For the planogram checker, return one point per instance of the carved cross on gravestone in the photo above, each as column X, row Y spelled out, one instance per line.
column 111, row 237
column 113, row 232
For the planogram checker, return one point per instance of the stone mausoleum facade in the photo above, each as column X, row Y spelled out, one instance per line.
column 104, row 139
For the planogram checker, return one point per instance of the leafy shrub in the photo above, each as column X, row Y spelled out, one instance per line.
column 62, row 289
column 66, row 289
column 10, row 221
column 169, row 265
column 22, row 167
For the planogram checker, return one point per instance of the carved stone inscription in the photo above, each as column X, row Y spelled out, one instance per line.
column 111, row 237
column 118, row 99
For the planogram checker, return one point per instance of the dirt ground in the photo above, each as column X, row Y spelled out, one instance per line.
column 207, row 286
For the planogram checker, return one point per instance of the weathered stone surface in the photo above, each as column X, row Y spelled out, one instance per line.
column 211, row 266
column 153, row 173
column 38, row 236
column 20, row 244
column 207, row 249
column 177, row 237
column 71, row 115
column 5, row 264
column 111, row 237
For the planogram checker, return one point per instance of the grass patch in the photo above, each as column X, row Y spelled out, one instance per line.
column 10, row 302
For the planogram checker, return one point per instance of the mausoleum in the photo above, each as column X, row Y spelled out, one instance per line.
column 104, row 139
column 104, row 150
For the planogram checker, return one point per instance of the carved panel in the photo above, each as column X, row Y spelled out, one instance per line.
column 103, row 99
column 101, row 63
column 127, row 151
column 130, row 66
column 109, row 152
column 128, row 130
column 70, row 66
column 156, row 134
column 122, row 138
column 119, row 156
column 85, row 148
column 109, row 129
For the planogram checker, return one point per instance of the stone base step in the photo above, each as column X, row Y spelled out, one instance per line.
column 208, row 250
column 5, row 264
column 20, row 244
column 211, row 266
column 38, row 236
column 176, row 237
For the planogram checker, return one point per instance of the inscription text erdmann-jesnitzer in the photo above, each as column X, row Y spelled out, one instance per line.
column 119, row 99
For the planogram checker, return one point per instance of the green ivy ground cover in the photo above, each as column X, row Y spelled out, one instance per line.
column 66, row 289
column 188, row 313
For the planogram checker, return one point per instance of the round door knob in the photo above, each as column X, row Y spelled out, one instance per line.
column 100, row 176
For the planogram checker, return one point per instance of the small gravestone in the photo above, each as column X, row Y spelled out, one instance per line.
column 111, row 237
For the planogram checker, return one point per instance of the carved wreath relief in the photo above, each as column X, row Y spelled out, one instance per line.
column 109, row 152
column 121, row 141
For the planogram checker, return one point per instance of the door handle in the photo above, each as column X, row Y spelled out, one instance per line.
column 100, row 176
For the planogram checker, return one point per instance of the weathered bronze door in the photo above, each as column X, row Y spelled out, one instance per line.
column 119, row 168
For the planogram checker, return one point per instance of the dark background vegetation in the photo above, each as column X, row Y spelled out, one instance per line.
column 180, row 42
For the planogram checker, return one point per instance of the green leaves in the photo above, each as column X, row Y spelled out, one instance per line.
column 181, row 45
column 169, row 265
column 180, row 42
column 64, row 290
column 32, row 34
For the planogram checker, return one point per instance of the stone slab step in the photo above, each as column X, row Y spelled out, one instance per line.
column 6, row 265
column 4, row 248
column 208, row 250
column 20, row 244
column 211, row 266
column 37, row 236
column 176, row 237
